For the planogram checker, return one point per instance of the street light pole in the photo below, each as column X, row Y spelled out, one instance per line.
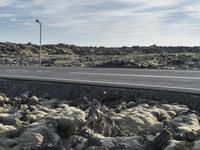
column 40, row 52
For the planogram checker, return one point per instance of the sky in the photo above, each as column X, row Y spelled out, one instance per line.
column 102, row 22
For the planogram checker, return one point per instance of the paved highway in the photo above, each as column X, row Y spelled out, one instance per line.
column 166, row 80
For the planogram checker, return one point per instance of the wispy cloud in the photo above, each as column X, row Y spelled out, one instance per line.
column 6, row 15
column 4, row 3
column 110, row 22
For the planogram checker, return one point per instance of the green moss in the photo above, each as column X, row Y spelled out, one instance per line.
column 184, row 146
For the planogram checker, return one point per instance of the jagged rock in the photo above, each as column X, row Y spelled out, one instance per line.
column 10, row 119
column 172, row 144
column 135, row 120
column 68, row 120
column 122, row 143
column 34, row 99
column 174, row 108
column 4, row 110
column 24, row 96
column 100, row 121
column 76, row 142
column 162, row 115
column 1, row 98
column 105, row 124
column 181, row 145
column 185, row 127
column 196, row 145
column 8, row 143
column 161, row 141
column 121, row 107
column 131, row 104
column 6, row 128
column 40, row 135
column 71, row 55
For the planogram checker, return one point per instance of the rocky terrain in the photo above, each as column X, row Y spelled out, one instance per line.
column 115, row 120
column 132, row 57
column 28, row 122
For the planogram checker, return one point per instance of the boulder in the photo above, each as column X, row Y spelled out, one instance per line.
column 10, row 119
column 196, row 145
column 75, row 142
column 34, row 99
column 40, row 135
column 174, row 108
column 161, row 140
column 68, row 120
column 184, row 127
column 8, row 143
column 135, row 120
column 121, row 143
column 100, row 122
column 1, row 98
column 4, row 110
column 6, row 128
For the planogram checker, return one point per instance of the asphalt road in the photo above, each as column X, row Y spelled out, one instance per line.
column 166, row 80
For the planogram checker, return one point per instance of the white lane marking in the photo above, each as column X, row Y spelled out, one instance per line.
column 134, row 69
column 134, row 75
column 101, row 82
column 9, row 70
column 17, row 70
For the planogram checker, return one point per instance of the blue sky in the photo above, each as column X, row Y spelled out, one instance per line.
column 102, row 22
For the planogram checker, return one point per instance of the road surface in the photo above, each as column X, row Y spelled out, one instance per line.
column 166, row 80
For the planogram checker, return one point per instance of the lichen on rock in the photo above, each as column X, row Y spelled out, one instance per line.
column 32, row 123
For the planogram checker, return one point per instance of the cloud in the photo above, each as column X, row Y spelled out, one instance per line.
column 4, row 3
column 6, row 15
column 113, row 19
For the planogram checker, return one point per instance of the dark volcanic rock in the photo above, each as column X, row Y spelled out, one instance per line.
column 70, row 55
column 161, row 141
column 32, row 123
